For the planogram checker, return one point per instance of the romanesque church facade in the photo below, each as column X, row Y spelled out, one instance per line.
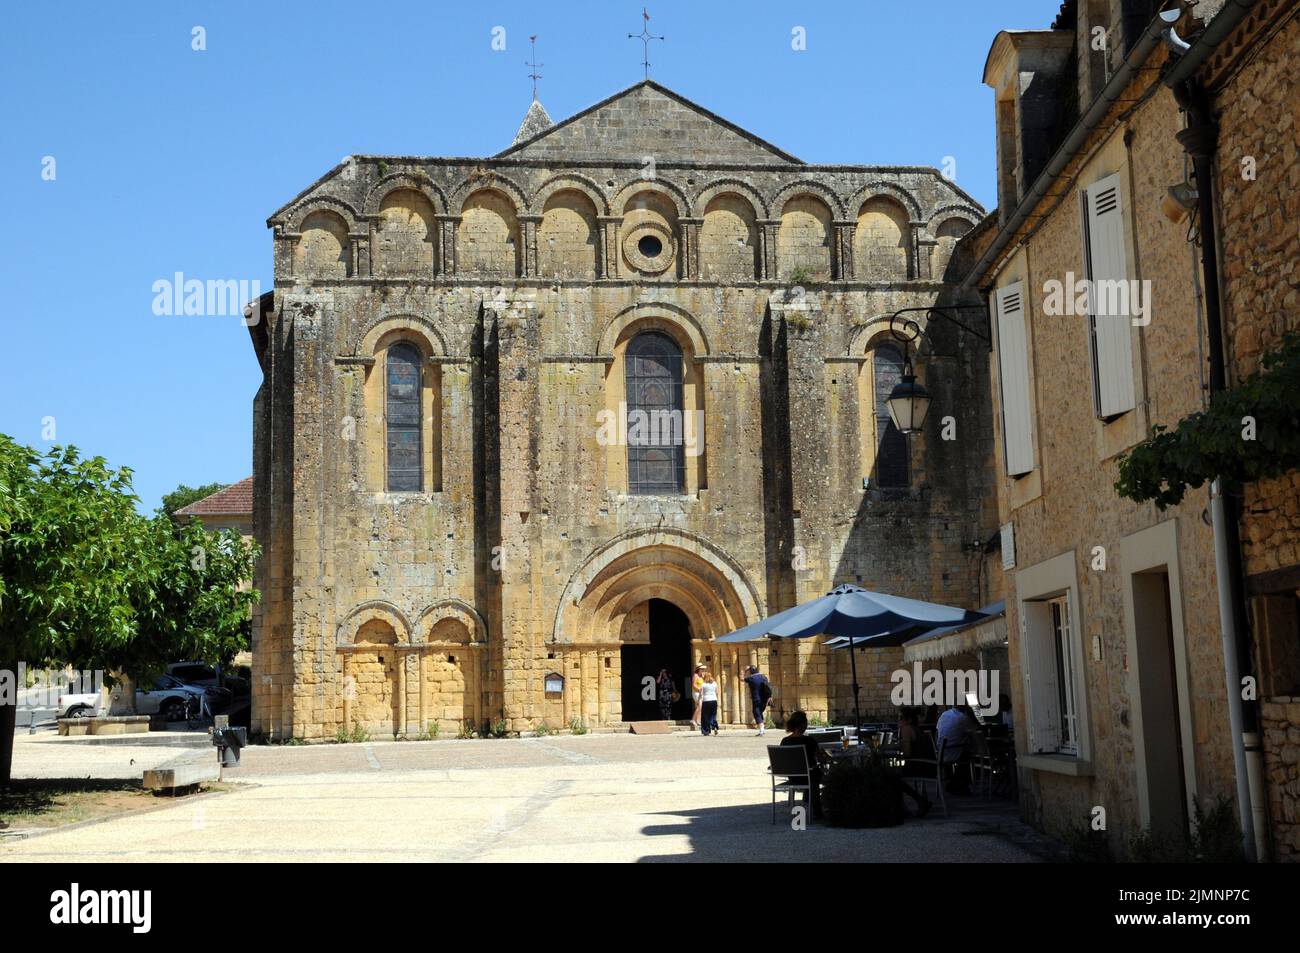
column 462, row 519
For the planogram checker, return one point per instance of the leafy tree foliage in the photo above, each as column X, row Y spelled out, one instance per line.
column 1249, row 432
column 183, row 496
column 87, row 582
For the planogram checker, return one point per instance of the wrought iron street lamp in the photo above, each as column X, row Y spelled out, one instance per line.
column 909, row 401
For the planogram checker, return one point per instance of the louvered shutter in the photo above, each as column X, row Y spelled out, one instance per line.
column 1013, row 372
column 1042, row 689
column 1111, row 310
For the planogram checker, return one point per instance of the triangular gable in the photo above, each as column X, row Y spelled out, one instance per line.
column 648, row 120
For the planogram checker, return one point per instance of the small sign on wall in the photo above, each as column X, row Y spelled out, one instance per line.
column 554, row 683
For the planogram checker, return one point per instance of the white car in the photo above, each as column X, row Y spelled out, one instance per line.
column 168, row 696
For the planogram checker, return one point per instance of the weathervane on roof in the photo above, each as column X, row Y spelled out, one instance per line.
column 534, row 75
column 645, row 36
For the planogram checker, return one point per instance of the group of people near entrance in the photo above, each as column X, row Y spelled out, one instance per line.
column 704, row 690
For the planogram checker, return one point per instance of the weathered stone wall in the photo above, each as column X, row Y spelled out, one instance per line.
column 524, row 530
column 1257, row 104
column 1281, row 730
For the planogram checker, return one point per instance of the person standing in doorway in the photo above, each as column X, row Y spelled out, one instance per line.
column 760, row 693
column 708, row 705
column 665, row 691
column 697, row 682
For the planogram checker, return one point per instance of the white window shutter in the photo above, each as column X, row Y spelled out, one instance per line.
column 1013, row 374
column 1111, row 309
column 1042, row 691
column 1008, row 545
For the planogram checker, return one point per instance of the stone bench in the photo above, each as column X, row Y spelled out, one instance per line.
column 105, row 725
column 185, row 775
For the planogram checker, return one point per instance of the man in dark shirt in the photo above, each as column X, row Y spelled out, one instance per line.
column 797, row 724
column 760, row 693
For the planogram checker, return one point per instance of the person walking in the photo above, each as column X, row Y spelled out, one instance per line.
column 697, row 681
column 760, row 693
column 708, row 705
column 666, row 692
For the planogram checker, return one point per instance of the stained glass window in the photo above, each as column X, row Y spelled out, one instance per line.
column 402, row 417
column 891, row 445
column 656, row 452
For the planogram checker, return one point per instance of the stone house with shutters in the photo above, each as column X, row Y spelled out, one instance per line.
column 463, row 518
column 1116, row 658
column 1124, row 681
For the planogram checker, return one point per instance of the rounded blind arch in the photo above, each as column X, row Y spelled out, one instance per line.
column 403, row 423
column 656, row 452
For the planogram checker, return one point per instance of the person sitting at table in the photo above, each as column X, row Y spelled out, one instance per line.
column 912, row 744
column 956, row 725
column 797, row 726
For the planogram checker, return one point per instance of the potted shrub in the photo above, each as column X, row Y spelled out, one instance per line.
column 863, row 792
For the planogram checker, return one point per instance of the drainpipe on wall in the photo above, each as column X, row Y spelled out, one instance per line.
column 1199, row 139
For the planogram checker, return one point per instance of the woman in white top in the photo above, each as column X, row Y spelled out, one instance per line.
column 708, row 705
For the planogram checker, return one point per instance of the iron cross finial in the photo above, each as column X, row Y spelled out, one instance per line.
column 534, row 75
column 645, row 36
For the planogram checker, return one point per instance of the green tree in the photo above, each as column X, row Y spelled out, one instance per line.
column 86, row 581
column 193, row 604
column 183, row 496
column 71, row 549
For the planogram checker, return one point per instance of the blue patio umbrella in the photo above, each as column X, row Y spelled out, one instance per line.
column 858, row 616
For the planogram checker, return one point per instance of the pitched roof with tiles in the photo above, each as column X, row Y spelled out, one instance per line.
column 234, row 500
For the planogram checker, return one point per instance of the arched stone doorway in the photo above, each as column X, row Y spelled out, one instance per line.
column 646, row 600
column 656, row 635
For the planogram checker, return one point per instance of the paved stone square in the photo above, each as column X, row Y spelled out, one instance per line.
column 596, row 797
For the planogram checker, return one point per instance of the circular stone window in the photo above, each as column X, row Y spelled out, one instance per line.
column 649, row 248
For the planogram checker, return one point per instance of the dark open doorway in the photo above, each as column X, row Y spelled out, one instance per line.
column 1158, row 701
column 669, row 647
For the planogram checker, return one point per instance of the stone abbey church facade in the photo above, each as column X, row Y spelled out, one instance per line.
column 462, row 523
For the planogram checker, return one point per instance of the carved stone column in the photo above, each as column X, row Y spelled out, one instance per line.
column 358, row 254
column 447, row 244
column 925, row 254
column 767, row 229
column 691, row 247
column 916, row 267
column 285, row 242
column 843, row 261
column 608, row 258
column 529, row 225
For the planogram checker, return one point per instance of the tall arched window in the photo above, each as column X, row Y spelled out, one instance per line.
column 402, row 419
column 656, row 453
column 891, row 446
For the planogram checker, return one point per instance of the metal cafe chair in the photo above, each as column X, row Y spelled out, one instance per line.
column 788, row 765
column 938, row 779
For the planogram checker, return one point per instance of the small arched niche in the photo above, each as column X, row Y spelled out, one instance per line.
column 729, row 238
column 881, row 241
column 405, row 235
column 322, row 250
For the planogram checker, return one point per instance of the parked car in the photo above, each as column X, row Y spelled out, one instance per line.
column 195, row 673
column 168, row 695
column 201, row 673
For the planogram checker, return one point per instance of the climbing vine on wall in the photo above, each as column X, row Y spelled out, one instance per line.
column 1249, row 432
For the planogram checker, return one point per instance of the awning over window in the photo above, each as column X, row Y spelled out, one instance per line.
column 961, row 639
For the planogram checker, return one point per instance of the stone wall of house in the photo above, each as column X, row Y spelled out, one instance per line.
column 1259, row 197
column 523, row 553
column 1257, row 105
column 1068, row 503
column 1280, row 722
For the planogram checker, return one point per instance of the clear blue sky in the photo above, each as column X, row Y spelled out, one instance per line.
column 168, row 159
